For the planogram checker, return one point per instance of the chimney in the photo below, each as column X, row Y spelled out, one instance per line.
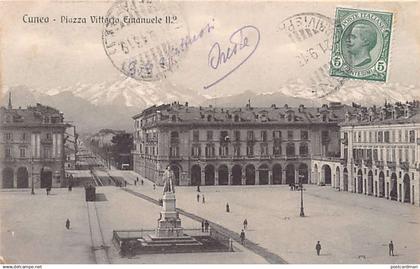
column 301, row 108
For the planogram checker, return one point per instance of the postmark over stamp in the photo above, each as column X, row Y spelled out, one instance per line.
column 312, row 34
column 361, row 44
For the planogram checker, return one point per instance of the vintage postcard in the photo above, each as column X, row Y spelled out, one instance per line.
column 209, row 132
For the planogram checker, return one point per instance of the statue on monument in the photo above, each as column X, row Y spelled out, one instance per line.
column 168, row 177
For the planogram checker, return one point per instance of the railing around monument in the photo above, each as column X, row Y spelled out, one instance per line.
column 125, row 235
column 223, row 238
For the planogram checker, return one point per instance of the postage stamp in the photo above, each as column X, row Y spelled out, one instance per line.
column 361, row 44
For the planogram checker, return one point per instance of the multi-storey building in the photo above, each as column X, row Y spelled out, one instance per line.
column 31, row 147
column 234, row 146
column 380, row 150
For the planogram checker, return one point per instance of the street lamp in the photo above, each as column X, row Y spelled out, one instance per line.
column 32, row 174
column 302, row 214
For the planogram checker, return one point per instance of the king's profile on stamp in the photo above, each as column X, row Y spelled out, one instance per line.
column 361, row 44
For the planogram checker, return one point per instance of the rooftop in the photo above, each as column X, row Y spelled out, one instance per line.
column 176, row 112
column 396, row 113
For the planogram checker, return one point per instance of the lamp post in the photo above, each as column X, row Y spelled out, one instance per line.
column 302, row 214
column 32, row 175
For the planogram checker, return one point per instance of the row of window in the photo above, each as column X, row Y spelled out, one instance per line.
column 382, row 154
column 384, row 136
column 264, row 150
column 250, row 135
column 23, row 152
column 8, row 136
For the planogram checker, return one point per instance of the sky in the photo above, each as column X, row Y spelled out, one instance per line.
column 59, row 55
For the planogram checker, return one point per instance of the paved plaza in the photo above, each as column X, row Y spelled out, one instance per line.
column 352, row 228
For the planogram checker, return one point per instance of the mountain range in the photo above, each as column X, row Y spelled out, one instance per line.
column 112, row 104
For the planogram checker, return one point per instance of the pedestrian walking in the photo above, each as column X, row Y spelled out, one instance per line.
column 142, row 182
column 154, row 187
column 391, row 248
column 242, row 236
column 206, row 226
column 125, row 183
column 198, row 198
column 204, row 199
column 245, row 224
column 198, row 188
column 202, row 226
column 318, row 248
column 227, row 208
column 68, row 224
column 137, row 179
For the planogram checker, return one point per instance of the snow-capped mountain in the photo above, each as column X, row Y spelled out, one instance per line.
column 112, row 104
column 126, row 92
column 362, row 92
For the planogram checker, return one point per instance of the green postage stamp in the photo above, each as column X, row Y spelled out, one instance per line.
column 361, row 44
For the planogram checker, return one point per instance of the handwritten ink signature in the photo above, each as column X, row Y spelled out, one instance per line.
column 217, row 57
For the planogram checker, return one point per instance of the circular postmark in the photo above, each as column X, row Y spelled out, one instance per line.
column 145, row 40
column 312, row 34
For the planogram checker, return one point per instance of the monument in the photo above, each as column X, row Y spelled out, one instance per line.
column 169, row 231
column 169, row 236
column 169, row 223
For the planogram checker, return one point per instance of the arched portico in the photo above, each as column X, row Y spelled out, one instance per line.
column 223, row 174
column 263, row 174
column 7, row 178
column 277, row 177
column 196, row 175
column 22, row 178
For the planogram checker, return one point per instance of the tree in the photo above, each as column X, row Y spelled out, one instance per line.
column 122, row 144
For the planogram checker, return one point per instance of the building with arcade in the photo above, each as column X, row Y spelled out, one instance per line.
column 31, row 147
column 380, row 150
column 235, row 146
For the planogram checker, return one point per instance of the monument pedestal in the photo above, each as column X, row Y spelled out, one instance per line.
column 169, row 232
column 169, row 223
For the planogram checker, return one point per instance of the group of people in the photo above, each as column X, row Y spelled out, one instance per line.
column 203, row 199
column 137, row 181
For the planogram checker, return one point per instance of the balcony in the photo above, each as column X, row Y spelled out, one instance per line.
column 391, row 165
column 9, row 159
column 174, row 140
column 357, row 162
column 343, row 161
column 367, row 163
column 277, row 140
column 175, row 158
column 405, row 165
column 379, row 164
column 325, row 139
column 251, row 141
column 46, row 141
column 224, row 140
